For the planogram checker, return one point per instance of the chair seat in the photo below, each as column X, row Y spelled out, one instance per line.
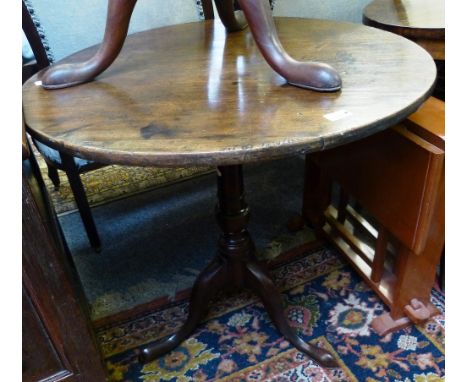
column 53, row 156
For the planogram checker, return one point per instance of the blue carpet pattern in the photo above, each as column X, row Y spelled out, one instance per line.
column 327, row 303
column 155, row 243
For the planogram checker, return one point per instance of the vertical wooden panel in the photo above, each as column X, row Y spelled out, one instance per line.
column 58, row 343
column 379, row 257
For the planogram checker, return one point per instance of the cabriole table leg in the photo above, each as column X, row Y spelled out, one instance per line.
column 310, row 75
column 209, row 281
column 235, row 266
column 59, row 76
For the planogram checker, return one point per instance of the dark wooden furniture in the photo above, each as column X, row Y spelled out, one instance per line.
column 58, row 343
column 55, row 159
column 73, row 167
column 422, row 21
column 306, row 74
column 191, row 94
column 388, row 219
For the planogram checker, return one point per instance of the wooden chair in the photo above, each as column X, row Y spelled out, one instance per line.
column 387, row 217
column 55, row 30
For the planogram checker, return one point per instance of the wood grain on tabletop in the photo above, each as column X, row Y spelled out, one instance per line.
column 409, row 18
column 192, row 94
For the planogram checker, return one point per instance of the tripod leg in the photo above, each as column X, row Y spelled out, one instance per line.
column 210, row 280
column 232, row 18
column 259, row 281
column 59, row 76
column 310, row 75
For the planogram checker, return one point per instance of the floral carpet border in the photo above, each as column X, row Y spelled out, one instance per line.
column 325, row 301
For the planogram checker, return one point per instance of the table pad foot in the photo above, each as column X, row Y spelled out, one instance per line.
column 261, row 283
column 309, row 75
column 61, row 76
column 210, row 280
column 316, row 76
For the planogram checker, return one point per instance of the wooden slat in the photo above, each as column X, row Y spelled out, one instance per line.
column 357, row 218
column 362, row 249
column 384, row 289
column 342, row 203
column 429, row 122
column 395, row 166
column 379, row 257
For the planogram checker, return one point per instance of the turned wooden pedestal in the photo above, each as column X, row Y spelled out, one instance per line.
column 235, row 266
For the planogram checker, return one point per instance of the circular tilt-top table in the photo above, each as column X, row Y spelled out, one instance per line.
column 190, row 95
column 422, row 21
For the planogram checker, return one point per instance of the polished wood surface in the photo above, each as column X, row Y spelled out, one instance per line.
column 428, row 122
column 396, row 178
column 119, row 13
column 436, row 48
column 409, row 18
column 191, row 94
column 422, row 21
column 310, row 75
column 404, row 169
column 58, row 342
column 306, row 74
column 234, row 267
column 70, row 167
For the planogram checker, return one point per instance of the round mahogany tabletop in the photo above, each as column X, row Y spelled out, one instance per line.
column 192, row 94
column 409, row 18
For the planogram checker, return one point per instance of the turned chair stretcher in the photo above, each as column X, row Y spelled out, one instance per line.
column 393, row 231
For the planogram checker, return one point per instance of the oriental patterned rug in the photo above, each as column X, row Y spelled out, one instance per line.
column 325, row 301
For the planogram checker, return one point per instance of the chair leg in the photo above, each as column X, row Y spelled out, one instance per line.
column 442, row 272
column 316, row 194
column 53, row 176
column 81, row 200
column 59, row 76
